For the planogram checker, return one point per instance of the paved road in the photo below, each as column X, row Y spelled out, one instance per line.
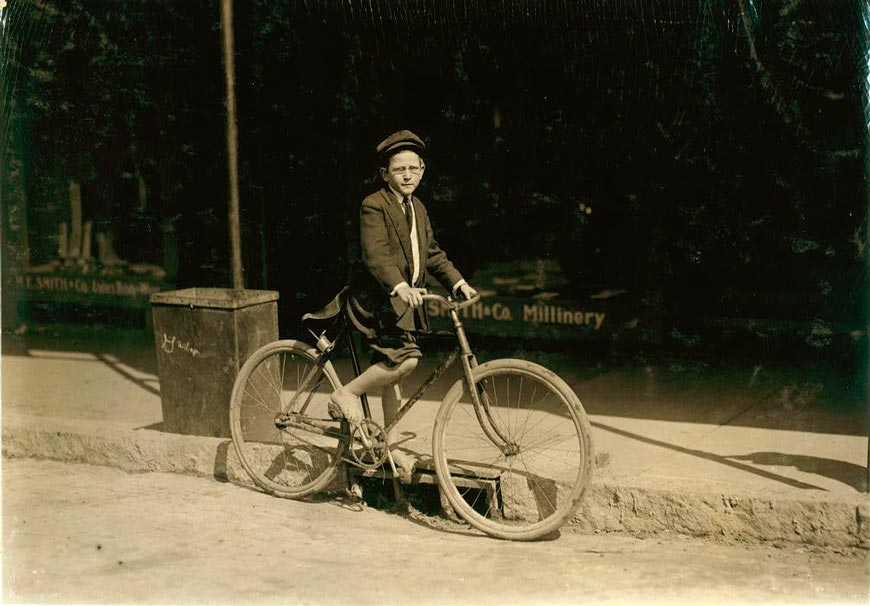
column 76, row 533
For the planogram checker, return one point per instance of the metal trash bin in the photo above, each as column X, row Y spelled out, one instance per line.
column 203, row 336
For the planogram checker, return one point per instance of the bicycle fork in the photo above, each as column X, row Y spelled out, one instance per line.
column 479, row 397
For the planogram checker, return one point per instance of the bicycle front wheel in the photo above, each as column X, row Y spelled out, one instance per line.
column 279, row 398
column 514, row 466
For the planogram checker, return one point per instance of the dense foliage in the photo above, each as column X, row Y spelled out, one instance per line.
column 706, row 155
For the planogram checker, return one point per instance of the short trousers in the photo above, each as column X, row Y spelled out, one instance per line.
column 394, row 348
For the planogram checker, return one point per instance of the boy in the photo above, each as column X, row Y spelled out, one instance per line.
column 399, row 251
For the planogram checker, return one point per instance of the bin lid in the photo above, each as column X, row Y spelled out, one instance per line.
column 214, row 298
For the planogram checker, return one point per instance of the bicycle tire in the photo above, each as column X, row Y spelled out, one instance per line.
column 536, row 479
column 286, row 462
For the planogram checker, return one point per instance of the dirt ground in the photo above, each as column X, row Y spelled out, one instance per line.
column 76, row 533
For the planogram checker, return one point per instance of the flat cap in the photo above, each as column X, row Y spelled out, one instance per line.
column 399, row 140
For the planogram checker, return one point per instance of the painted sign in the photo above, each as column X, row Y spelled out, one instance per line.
column 65, row 287
column 521, row 316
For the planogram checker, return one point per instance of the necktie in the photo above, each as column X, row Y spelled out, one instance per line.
column 409, row 217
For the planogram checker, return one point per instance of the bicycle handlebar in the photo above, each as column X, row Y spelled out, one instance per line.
column 450, row 301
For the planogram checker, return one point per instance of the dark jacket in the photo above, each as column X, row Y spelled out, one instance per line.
column 386, row 260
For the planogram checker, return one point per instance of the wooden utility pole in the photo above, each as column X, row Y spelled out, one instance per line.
column 232, row 143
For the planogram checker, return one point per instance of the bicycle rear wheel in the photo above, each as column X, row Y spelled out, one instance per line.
column 282, row 381
column 515, row 468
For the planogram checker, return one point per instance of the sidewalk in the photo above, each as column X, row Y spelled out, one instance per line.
column 736, row 452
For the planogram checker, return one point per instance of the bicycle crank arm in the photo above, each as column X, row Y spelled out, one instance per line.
column 392, row 463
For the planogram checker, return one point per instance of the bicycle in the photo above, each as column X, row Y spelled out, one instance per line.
column 510, row 426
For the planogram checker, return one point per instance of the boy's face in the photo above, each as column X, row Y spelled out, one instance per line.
column 404, row 171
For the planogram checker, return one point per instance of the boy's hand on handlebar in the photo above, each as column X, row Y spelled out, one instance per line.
column 467, row 291
column 411, row 296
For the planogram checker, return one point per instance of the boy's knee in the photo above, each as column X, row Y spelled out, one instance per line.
column 406, row 366
column 398, row 371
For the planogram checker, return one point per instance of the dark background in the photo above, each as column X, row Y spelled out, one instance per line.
column 721, row 146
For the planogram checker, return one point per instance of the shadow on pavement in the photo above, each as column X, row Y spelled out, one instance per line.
column 711, row 457
column 842, row 471
column 809, row 396
column 132, row 348
column 114, row 363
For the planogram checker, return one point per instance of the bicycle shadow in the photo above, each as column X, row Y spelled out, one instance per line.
column 445, row 524
column 423, row 504
column 222, row 472
column 415, row 507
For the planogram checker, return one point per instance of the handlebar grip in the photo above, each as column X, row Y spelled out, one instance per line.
column 468, row 302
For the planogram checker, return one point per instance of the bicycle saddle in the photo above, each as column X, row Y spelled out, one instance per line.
column 331, row 309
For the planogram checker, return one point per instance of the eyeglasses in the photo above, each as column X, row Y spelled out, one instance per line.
column 401, row 170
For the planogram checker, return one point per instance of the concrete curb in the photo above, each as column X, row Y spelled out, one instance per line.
column 140, row 450
column 646, row 511
column 608, row 506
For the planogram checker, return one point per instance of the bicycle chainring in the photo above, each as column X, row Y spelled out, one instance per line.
column 374, row 455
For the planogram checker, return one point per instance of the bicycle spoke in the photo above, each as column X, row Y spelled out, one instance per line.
column 256, row 389
column 259, row 401
column 284, row 452
column 549, row 441
column 533, row 479
column 568, row 463
column 519, row 401
column 533, row 406
column 496, row 411
column 283, row 364
column 548, row 428
column 298, row 370
column 269, row 379
column 543, row 418
column 508, row 389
